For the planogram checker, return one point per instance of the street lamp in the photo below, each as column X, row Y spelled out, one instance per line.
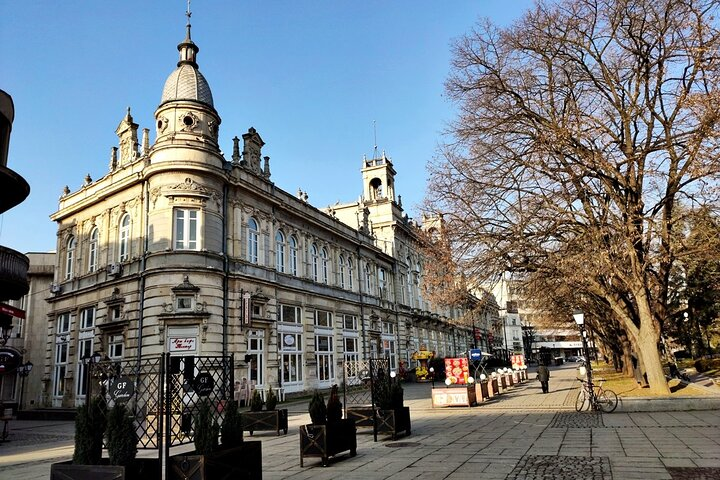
column 23, row 370
column 88, row 361
column 580, row 320
column 5, row 327
column 432, row 376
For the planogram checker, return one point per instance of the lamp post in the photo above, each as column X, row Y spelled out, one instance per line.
column 88, row 361
column 23, row 370
column 580, row 320
column 432, row 376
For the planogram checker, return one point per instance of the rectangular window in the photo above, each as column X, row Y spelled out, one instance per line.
column 324, row 358
column 292, row 364
column 63, row 323
column 403, row 286
column 115, row 313
column 323, row 318
column 85, row 347
column 350, row 322
column 115, row 347
column 352, row 350
column 60, row 367
column 87, row 318
column 186, row 229
column 388, row 327
column 184, row 303
column 290, row 314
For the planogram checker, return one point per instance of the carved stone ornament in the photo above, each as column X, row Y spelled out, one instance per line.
column 189, row 122
column 162, row 124
column 189, row 186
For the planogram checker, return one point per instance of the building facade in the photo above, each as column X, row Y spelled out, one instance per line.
column 179, row 250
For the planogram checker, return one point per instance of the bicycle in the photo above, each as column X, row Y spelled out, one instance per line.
column 593, row 396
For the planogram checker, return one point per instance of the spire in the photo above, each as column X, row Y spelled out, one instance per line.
column 188, row 50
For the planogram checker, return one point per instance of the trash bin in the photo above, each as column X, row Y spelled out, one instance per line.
column 559, row 360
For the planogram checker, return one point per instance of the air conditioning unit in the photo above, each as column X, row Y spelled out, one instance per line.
column 114, row 269
column 55, row 288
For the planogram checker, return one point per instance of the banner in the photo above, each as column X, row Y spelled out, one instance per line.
column 245, row 309
column 517, row 361
column 456, row 369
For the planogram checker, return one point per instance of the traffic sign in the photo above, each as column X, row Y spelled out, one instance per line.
column 475, row 354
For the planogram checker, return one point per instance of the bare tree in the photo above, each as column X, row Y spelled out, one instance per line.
column 581, row 127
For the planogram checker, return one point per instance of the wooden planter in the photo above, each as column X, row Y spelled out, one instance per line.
column 324, row 441
column 244, row 461
column 503, row 383
column 265, row 420
column 394, row 421
column 493, row 385
column 144, row 469
column 363, row 415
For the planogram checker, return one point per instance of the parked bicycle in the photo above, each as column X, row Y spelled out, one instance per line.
column 593, row 396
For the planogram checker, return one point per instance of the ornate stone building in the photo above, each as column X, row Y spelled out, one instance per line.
column 178, row 249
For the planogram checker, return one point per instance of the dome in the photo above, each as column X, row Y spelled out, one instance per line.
column 187, row 83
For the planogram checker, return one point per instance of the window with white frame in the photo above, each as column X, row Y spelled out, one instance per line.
column 324, row 264
column 341, row 271
column 290, row 314
column 60, row 360
column 293, row 244
column 252, row 240
column 388, row 328
column 314, row 263
column 87, row 318
column 70, row 257
column 186, row 229
column 291, row 350
column 84, row 352
column 280, row 251
column 324, row 357
column 382, row 283
column 116, row 343
column 124, row 239
column 389, row 350
column 351, row 344
column 403, row 284
column 323, row 319
column 350, row 322
column 93, row 250
column 184, row 303
column 368, row 281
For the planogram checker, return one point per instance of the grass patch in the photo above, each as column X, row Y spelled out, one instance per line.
column 627, row 386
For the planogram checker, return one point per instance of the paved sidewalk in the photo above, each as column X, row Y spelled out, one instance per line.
column 521, row 435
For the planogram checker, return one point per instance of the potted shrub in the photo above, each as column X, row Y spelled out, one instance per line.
column 212, row 461
column 329, row 433
column 392, row 415
column 231, row 428
column 269, row 419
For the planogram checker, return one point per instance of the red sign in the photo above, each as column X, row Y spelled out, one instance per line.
column 517, row 361
column 478, row 334
column 456, row 370
column 8, row 310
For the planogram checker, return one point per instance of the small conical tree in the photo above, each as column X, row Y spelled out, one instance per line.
column 256, row 402
column 317, row 410
column 89, row 431
column 334, row 406
column 206, row 429
column 121, row 436
column 271, row 400
column 231, row 429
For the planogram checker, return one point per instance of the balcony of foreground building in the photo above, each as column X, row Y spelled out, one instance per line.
column 14, row 189
column 13, row 274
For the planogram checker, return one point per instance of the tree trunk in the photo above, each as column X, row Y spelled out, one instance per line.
column 650, row 359
column 627, row 364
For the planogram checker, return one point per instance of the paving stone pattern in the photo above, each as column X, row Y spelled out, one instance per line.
column 696, row 473
column 577, row 420
column 532, row 467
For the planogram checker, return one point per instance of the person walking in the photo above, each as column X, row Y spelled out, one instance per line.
column 543, row 374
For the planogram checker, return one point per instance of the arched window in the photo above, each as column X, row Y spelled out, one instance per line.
column 350, row 273
column 324, row 260
column 368, row 283
column 382, row 283
column 124, row 238
column 341, row 271
column 315, row 262
column 93, row 250
column 252, row 241
column 70, row 257
column 280, row 251
column 293, row 255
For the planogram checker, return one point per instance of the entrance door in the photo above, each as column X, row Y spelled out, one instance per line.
column 256, row 358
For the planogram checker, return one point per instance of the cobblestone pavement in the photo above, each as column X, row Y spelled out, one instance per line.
column 523, row 434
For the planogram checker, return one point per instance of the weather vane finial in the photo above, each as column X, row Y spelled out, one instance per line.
column 188, row 13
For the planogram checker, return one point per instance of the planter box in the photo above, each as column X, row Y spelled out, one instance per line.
column 363, row 415
column 454, row 397
column 144, row 469
column 394, row 421
column 244, row 461
column 503, row 383
column 482, row 392
column 265, row 420
column 324, row 441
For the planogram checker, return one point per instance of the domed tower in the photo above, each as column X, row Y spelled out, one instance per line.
column 186, row 116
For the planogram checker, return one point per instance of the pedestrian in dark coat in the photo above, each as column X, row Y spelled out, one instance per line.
column 543, row 374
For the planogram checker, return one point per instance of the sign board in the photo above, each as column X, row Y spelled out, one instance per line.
column 12, row 311
column 9, row 360
column 204, row 384
column 183, row 344
column 517, row 361
column 453, row 397
column 478, row 333
column 121, row 389
column 475, row 354
column 456, row 369
column 246, row 309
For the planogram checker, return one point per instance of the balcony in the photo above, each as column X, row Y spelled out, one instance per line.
column 14, row 187
column 13, row 274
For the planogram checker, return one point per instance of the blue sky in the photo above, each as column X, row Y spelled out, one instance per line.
column 310, row 76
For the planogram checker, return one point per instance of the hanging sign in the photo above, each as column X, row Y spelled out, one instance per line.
column 9, row 360
column 204, row 384
column 121, row 389
column 245, row 309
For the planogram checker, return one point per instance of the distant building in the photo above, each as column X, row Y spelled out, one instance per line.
column 180, row 250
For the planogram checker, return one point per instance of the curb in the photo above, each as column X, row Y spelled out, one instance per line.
column 655, row 404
